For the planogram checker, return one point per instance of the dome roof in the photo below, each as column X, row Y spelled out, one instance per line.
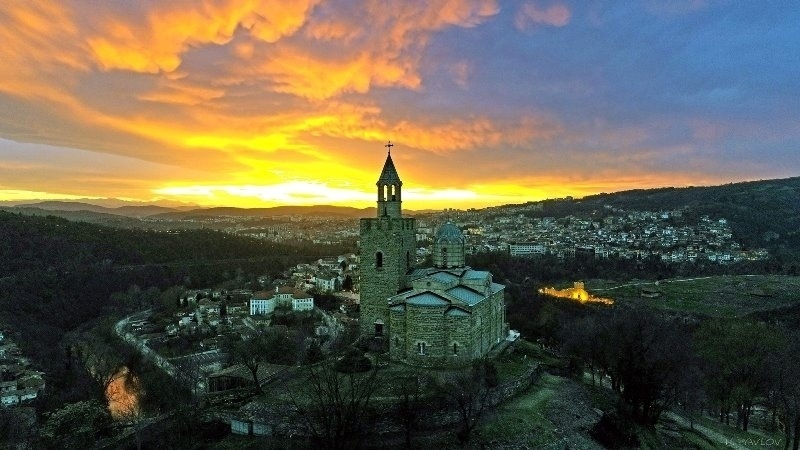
column 449, row 234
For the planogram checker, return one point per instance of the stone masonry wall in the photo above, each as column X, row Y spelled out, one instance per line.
column 395, row 238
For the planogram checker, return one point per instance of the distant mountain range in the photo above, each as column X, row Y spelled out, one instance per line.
column 71, row 210
column 761, row 213
column 129, row 211
column 317, row 210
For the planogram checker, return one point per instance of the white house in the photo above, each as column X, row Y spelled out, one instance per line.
column 9, row 398
column 326, row 282
column 265, row 302
column 302, row 304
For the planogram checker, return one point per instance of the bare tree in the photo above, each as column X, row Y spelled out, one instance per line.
column 470, row 393
column 334, row 407
column 787, row 389
column 410, row 403
column 265, row 345
column 102, row 362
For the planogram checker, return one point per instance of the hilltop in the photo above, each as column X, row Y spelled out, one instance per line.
column 761, row 213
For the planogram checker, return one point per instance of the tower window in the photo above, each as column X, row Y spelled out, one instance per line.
column 421, row 348
column 455, row 348
column 394, row 193
column 379, row 259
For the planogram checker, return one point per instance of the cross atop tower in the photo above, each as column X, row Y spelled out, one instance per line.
column 389, row 145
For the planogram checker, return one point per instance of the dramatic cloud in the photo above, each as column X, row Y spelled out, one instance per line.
column 255, row 102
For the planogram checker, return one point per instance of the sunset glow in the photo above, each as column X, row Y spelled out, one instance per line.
column 259, row 103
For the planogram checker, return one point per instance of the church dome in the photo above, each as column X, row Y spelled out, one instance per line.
column 449, row 234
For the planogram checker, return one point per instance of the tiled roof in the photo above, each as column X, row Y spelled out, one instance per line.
column 456, row 311
column 444, row 277
column 427, row 299
column 475, row 275
column 420, row 272
column 469, row 296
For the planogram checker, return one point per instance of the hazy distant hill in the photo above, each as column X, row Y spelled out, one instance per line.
column 56, row 205
column 317, row 210
column 129, row 210
column 82, row 215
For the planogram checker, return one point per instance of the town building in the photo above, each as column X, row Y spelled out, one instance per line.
column 445, row 315
column 265, row 302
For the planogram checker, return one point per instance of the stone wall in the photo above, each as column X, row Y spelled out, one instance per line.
column 395, row 239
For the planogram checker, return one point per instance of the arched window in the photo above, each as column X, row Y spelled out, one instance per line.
column 455, row 348
column 394, row 193
column 379, row 259
column 421, row 348
column 444, row 257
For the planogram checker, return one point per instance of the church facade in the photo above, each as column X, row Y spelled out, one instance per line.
column 444, row 315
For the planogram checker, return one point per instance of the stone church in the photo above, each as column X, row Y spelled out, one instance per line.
column 444, row 315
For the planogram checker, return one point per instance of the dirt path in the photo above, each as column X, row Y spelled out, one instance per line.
column 707, row 432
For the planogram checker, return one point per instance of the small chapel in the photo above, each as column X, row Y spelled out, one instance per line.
column 445, row 315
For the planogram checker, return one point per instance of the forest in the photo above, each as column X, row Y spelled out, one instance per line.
column 59, row 279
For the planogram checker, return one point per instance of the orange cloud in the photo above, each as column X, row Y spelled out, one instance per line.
column 344, row 56
column 37, row 48
column 158, row 40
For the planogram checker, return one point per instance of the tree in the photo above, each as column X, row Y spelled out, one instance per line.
column 469, row 393
column 347, row 284
column 101, row 359
column 585, row 339
column 265, row 345
column 334, row 407
column 223, row 310
column 787, row 388
column 77, row 425
column 354, row 360
column 17, row 427
column 314, row 352
column 410, row 403
column 636, row 349
column 735, row 356
column 127, row 395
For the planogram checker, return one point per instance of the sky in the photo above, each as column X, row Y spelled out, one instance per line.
column 258, row 103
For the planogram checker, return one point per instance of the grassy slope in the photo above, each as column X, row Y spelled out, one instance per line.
column 719, row 296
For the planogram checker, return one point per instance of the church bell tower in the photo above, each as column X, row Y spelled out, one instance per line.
column 387, row 250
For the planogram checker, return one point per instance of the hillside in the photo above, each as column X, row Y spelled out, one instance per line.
column 57, row 275
column 761, row 213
